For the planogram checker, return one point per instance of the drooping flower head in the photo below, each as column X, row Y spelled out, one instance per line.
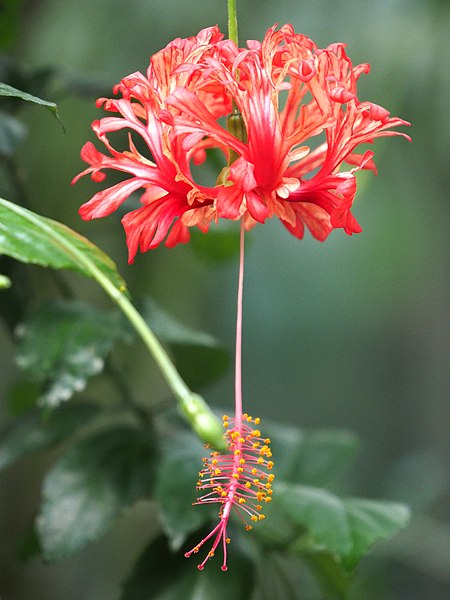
column 239, row 479
column 291, row 146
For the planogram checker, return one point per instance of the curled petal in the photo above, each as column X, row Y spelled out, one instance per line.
column 256, row 207
column 306, row 70
column 341, row 95
column 108, row 200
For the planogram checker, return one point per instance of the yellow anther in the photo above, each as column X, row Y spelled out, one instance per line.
column 254, row 518
column 240, row 469
column 257, row 421
column 258, row 507
column 260, row 461
column 254, row 471
column 255, row 445
column 271, row 477
column 214, row 462
column 256, row 433
column 268, row 499
column 248, row 485
column 227, row 540
column 217, row 471
column 223, row 494
column 235, row 475
column 256, row 481
column 270, row 464
column 242, row 461
column 261, row 517
column 237, row 452
column 267, row 441
column 211, row 553
column 242, row 500
column 247, row 528
column 196, row 549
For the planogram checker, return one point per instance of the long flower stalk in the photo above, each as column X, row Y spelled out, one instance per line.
column 237, row 479
column 238, row 358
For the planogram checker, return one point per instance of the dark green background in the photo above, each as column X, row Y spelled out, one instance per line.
column 351, row 333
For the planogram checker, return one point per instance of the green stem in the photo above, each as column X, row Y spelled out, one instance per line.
column 191, row 405
column 232, row 21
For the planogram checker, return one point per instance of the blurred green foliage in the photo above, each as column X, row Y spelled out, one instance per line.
column 352, row 334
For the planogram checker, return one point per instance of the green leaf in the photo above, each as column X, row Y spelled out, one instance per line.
column 30, row 238
column 90, row 487
column 23, row 396
column 175, row 489
column 371, row 520
column 198, row 356
column 310, row 457
column 64, row 343
column 345, row 528
column 334, row 580
column 161, row 575
column 34, row 432
column 11, row 92
column 12, row 134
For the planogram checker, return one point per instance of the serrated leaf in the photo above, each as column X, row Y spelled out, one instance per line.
column 175, row 488
column 11, row 92
column 371, row 520
column 91, row 485
column 310, row 457
column 64, row 343
column 160, row 574
column 345, row 528
column 198, row 356
column 30, row 238
column 34, row 432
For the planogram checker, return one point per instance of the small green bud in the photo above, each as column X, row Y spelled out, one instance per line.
column 5, row 282
column 236, row 126
column 203, row 421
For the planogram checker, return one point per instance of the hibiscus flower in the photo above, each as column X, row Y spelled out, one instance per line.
column 284, row 113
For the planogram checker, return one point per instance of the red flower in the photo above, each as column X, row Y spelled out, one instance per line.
column 296, row 119
column 236, row 480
